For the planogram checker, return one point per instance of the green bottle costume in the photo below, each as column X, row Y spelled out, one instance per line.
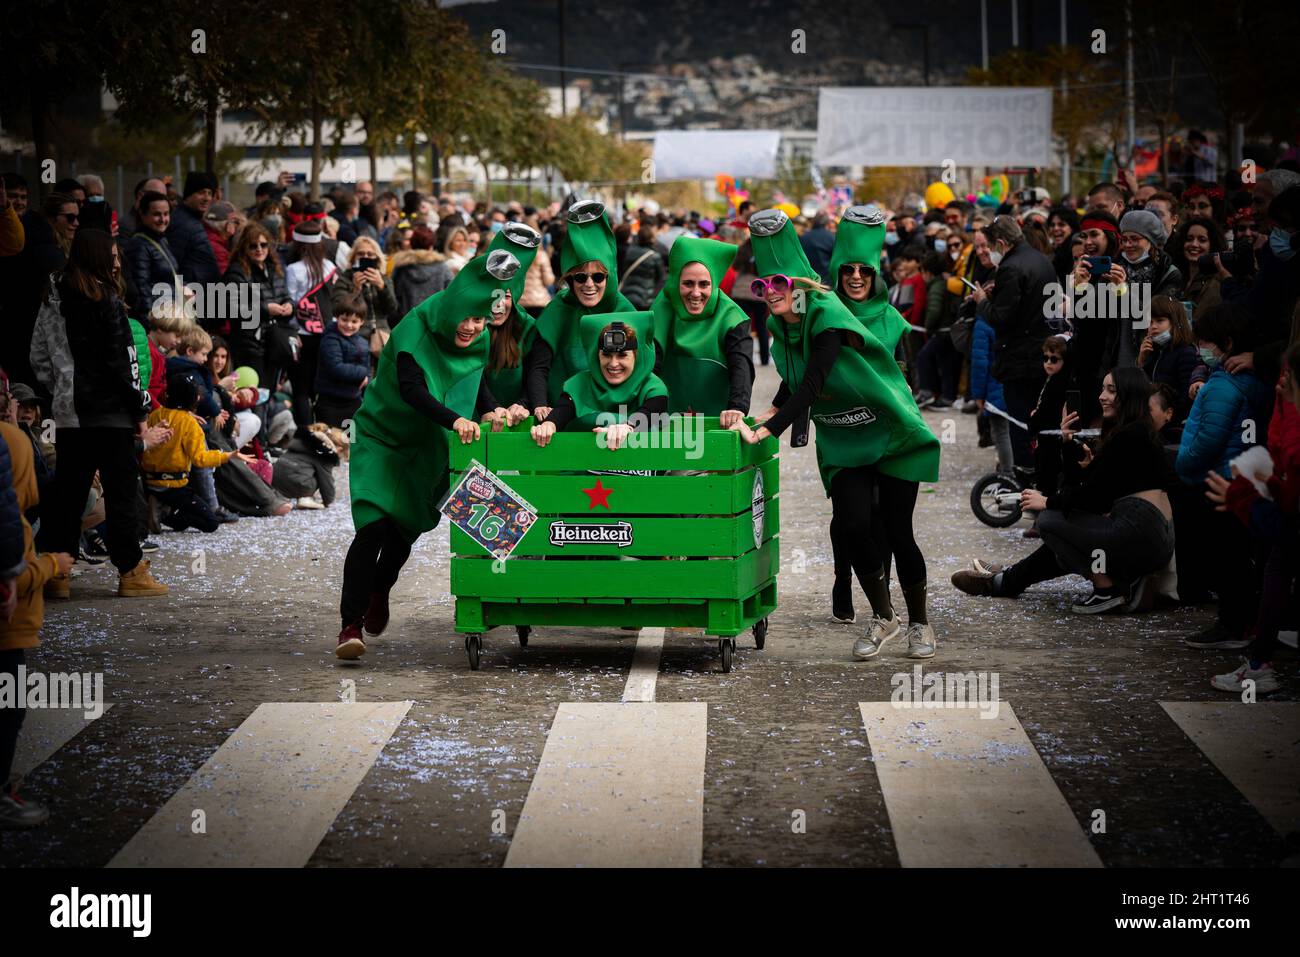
column 591, row 394
column 694, row 354
column 588, row 238
column 399, row 457
column 521, row 241
column 861, row 417
column 861, row 239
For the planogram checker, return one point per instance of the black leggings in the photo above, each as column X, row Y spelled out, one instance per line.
column 375, row 558
column 891, row 525
column 11, row 718
column 852, row 541
column 302, row 376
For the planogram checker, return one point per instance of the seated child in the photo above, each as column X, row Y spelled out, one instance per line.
column 166, row 468
column 613, row 382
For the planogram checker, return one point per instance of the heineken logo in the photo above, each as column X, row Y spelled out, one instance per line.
column 759, row 504
column 850, row 417
column 611, row 533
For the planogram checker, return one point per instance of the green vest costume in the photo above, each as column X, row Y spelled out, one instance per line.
column 860, row 238
column 521, row 241
column 142, row 356
column 591, row 394
column 399, row 457
column 694, row 354
column 861, row 417
column 588, row 238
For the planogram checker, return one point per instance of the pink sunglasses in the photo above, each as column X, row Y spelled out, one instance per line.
column 780, row 284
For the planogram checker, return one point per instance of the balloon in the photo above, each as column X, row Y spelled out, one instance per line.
column 246, row 378
column 938, row 195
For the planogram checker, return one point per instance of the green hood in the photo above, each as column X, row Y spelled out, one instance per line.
column 694, row 363
column 522, row 242
column 588, row 238
column 403, row 457
column 589, row 390
column 861, row 239
column 776, row 246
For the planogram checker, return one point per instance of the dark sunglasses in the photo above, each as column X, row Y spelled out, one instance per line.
column 70, row 217
column 259, row 245
column 780, row 284
column 581, row 278
column 853, row 269
column 1052, row 359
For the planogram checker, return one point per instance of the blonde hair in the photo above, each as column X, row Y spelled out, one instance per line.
column 195, row 339
column 379, row 253
column 168, row 315
column 814, row 284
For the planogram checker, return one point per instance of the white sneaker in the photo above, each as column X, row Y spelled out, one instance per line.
column 307, row 502
column 881, row 631
column 1264, row 677
column 921, row 641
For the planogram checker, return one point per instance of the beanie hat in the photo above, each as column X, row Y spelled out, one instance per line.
column 196, row 180
column 182, row 393
column 1146, row 224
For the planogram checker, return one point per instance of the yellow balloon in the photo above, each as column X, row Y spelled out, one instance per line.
column 938, row 195
column 790, row 209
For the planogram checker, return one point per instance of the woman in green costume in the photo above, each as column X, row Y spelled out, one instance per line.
column 855, row 266
column 703, row 350
column 511, row 331
column 589, row 270
column 429, row 383
column 834, row 368
column 619, row 376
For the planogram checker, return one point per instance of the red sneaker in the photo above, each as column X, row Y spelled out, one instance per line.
column 351, row 644
column 376, row 619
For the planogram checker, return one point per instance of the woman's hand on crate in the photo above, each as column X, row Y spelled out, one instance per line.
column 730, row 417
column 542, row 413
column 542, row 434
column 516, row 414
column 752, row 436
column 615, row 435
column 760, row 419
column 467, row 429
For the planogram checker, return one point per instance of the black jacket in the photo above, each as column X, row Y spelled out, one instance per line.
column 417, row 275
column 1016, row 312
column 195, row 260
column 106, row 389
column 642, row 284
column 149, row 263
column 248, row 345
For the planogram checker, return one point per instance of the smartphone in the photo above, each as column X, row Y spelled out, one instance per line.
column 367, row 262
column 799, row 430
column 1073, row 400
column 1098, row 265
column 970, row 285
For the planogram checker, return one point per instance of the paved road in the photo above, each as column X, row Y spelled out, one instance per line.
column 227, row 742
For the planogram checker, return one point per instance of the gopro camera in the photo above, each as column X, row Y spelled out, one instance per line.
column 614, row 339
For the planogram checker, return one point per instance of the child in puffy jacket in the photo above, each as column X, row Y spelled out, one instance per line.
column 343, row 369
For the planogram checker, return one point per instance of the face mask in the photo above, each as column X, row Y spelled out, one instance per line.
column 497, row 227
column 470, row 250
column 94, row 199
column 891, row 239
column 1133, row 260
column 1211, row 360
column 941, row 245
column 995, row 257
column 1279, row 241
column 1162, row 338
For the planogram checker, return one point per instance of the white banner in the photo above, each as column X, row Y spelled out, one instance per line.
column 703, row 154
column 931, row 125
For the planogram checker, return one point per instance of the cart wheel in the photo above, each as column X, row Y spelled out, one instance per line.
column 760, row 633
column 725, row 648
column 473, row 648
column 523, row 631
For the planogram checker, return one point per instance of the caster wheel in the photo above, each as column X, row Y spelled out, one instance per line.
column 473, row 648
column 523, row 631
column 760, row 633
column 725, row 648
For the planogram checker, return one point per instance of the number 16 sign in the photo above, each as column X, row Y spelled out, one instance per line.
column 488, row 510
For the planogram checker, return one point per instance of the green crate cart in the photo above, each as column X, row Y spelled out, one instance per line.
column 626, row 550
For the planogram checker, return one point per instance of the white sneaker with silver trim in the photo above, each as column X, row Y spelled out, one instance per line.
column 881, row 631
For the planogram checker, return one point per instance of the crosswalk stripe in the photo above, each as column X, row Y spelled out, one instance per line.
column 271, row 791
column 644, row 674
column 618, row 786
column 964, row 790
column 44, row 731
column 1255, row 746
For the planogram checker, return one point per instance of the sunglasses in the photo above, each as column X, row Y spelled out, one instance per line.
column 1052, row 360
column 779, row 284
column 259, row 245
column 70, row 217
column 853, row 269
column 581, row 278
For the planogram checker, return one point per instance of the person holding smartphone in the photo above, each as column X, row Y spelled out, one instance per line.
column 366, row 275
column 834, row 369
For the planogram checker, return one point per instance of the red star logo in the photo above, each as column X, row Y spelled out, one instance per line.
column 598, row 495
